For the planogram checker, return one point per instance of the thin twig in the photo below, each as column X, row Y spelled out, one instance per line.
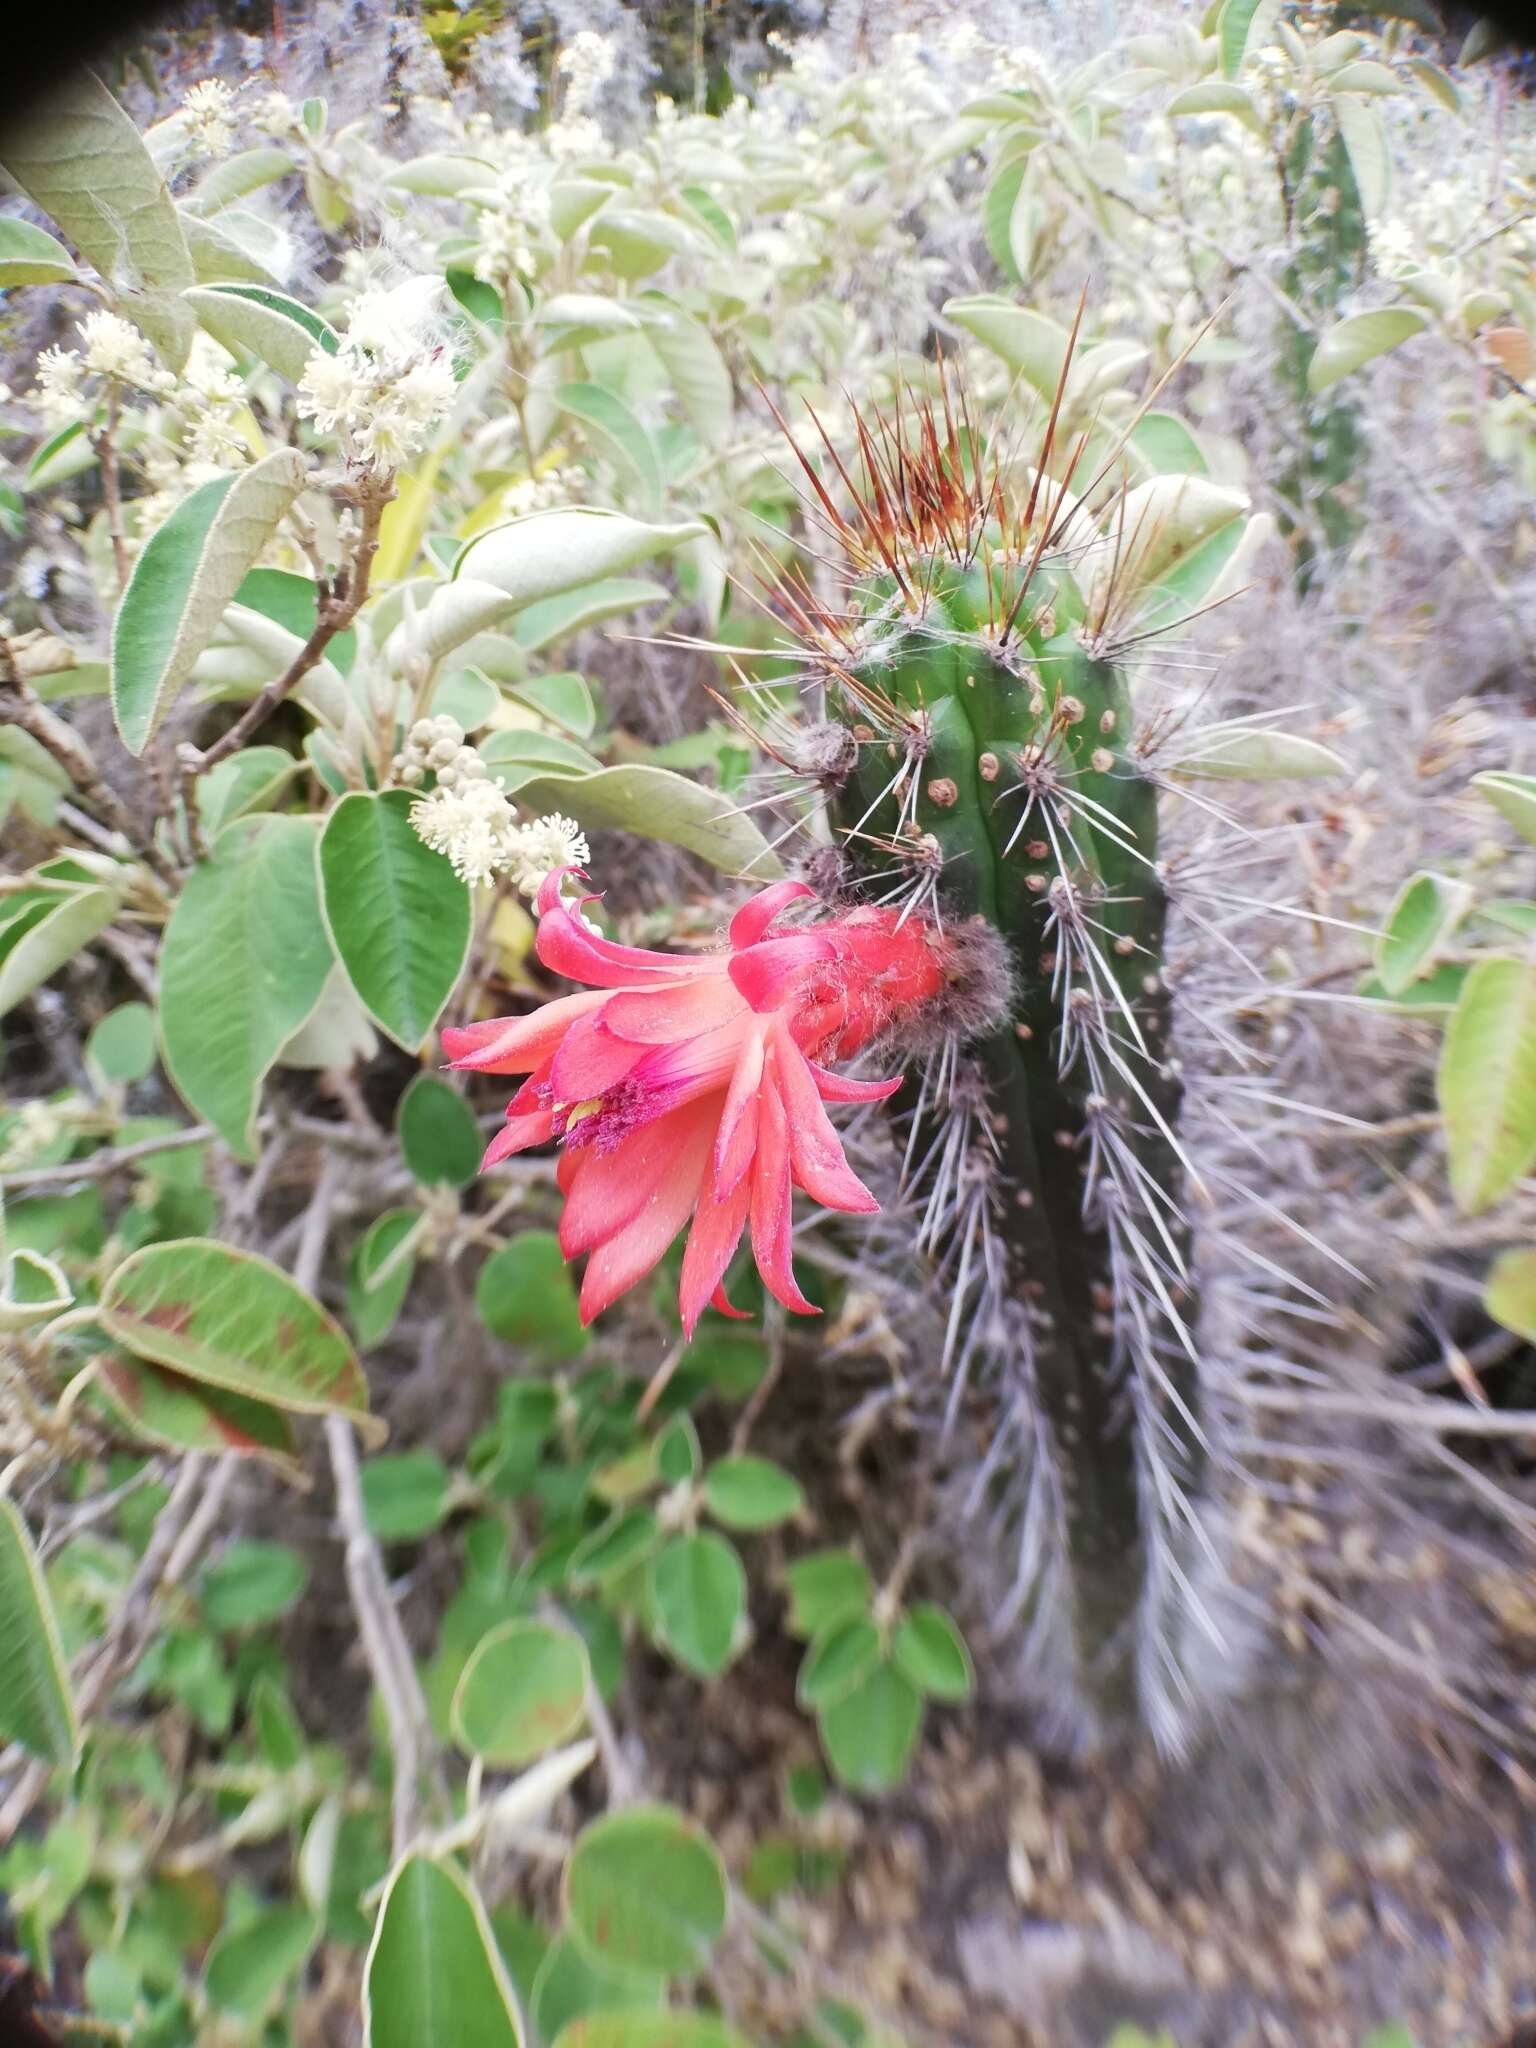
column 339, row 605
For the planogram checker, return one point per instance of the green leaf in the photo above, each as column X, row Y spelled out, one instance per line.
column 405, row 1496
column 752, row 1493
column 253, row 320
column 1511, row 1293
column 1487, row 1082
column 617, row 435
column 870, row 1733
column 251, row 1584
column 557, row 618
column 189, row 570
column 568, row 1985
column 1167, row 446
column 699, row 1590
column 524, row 1296
column 37, row 1708
column 517, row 755
column 523, row 1693
column 235, row 177
column 32, row 1288
column 379, row 1274
column 827, row 1586
column 29, row 255
column 649, row 2030
column 434, row 1977
column 839, row 1659
column 1255, row 753
column 293, row 602
column 188, row 1415
column 438, row 1133
column 244, row 963
column 1242, row 24
column 645, row 1893
column 234, row 1320
column 245, row 783
column 122, row 1046
column 928, row 1649
column 564, row 699
column 1426, row 913
column 399, row 917
column 1217, row 96
column 239, row 248
column 1358, row 339
column 622, row 1542
column 248, row 1968
column 1435, row 996
column 635, row 244
column 1513, row 797
column 695, row 367
column 42, row 928
column 1028, row 342
column 658, row 804
column 1370, row 153
column 80, row 158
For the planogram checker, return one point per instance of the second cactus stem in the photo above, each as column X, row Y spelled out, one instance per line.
column 987, row 772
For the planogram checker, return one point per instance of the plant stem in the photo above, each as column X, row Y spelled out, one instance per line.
column 340, row 602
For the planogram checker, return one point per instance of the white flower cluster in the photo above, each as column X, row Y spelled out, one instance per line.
column 112, row 350
column 540, row 493
column 388, row 384
column 585, row 64
column 511, row 226
column 468, row 819
column 208, row 111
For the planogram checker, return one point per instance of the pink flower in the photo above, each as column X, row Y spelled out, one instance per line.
column 692, row 1085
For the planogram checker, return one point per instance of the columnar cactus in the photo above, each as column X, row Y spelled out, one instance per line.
column 981, row 760
column 1326, row 226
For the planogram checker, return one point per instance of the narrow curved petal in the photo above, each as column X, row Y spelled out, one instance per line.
column 516, row 1045
column 842, row 1088
column 817, row 1160
column 769, row 973
column 607, row 1190
column 629, row 1255
column 755, row 916
column 517, row 1136
column 771, row 1212
column 736, row 1138
column 567, row 947
column 712, row 1241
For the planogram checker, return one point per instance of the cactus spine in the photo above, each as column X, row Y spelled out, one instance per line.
column 991, row 774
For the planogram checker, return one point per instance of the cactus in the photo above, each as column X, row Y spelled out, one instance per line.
column 1326, row 224
column 979, row 756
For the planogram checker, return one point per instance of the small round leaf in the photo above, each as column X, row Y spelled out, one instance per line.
column 523, row 1693
column 645, row 1892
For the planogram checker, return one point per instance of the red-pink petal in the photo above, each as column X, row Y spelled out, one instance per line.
column 605, row 1190
column 768, row 973
column 754, row 917
column 712, row 1242
column 516, row 1045
column 567, row 947
column 737, row 1136
column 839, row 1088
column 816, row 1152
column 654, row 1016
column 772, row 1218
column 517, row 1136
column 633, row 1251
column 591, row 1060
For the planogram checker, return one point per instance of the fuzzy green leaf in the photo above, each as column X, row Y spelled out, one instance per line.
column 434, row 1977
column 244, row 963
column 1358, row 340
column 1487, row 1082
column 37, row 1708
column 399, row 917
column 523, row 1693
column 236, row 1321
column 645, row 1893
column 190, row 569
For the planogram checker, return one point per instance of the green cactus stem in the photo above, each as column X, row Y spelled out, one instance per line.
column 996, row 781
